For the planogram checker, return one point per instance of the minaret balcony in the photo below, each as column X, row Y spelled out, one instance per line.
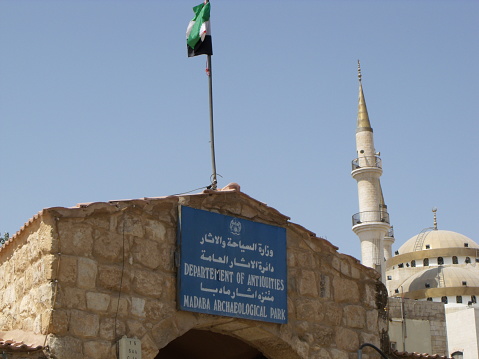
column 370, row 216
column 366, row 161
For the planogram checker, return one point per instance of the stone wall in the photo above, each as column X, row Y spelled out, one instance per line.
column 26, row 288
column 113, row 272
column 432, row 312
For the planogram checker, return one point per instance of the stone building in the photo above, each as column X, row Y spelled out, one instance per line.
column 440, row 267
column 74, row 281
column 436, row 268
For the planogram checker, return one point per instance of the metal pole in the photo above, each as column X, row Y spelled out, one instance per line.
column 360, row 351
column 212, row 134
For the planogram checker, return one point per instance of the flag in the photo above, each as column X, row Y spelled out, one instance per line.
column 198, row 36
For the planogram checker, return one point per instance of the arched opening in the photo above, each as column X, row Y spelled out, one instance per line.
column 425, row 262
column 202, row 344
column 454, row 260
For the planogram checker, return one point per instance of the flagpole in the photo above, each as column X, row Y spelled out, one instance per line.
column 212, row 134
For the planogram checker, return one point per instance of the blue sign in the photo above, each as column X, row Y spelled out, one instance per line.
column 232, row 267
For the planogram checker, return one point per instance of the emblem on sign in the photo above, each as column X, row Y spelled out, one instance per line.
column 235, row 227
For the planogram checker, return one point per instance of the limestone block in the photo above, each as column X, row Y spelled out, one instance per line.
column 87, row 273
column 370, row 338
column 336, row 263
column 164, row 332
column 75, row 238
column 97, row 349
column 345, row 268
column 333, row 313
column 19, row 287
column 252, row 333
column 372, row 321
column 131, row 225
column 309, row 310
column 37, row 324
column 135, row 328
column 107, row 246
column 71, row 297
column 107, row 329
column 102, row 222
column 68, row 269
column 10, row 295
column 291, row 258
column 138, row 307
column 65, row 347
column 323, row 335
column 148, row 283
column 60, row 321
column 319, row 353
column 301, row 347
column 305, row 259
column 307, row 283
column 338, row 354
column 155, row 230
column 347, row 339
column 370, row 295
column 146, row 253
column 120, row 306
column 110, row 277
column 324, row 286
column 166, row 258
column 97, row 302
column 84, row 324
column 354, row 316
column 149, row 350
column 345, row 290
column 355, row 273
column 157, row 310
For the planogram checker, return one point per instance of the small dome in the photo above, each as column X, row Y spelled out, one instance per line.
column 437, row 239
column 443, row 277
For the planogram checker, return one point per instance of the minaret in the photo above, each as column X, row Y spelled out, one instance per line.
column 371, row 224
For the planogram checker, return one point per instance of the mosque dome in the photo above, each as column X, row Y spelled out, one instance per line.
column 442, row 277
column 436, row 239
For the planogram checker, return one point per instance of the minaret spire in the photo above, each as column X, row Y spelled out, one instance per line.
column 371, row 224
column 434, row 210
column 363, row 117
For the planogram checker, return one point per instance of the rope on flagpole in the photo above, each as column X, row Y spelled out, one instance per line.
column 212, row 134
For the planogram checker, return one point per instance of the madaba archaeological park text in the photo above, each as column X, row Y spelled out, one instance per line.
column 233, row 308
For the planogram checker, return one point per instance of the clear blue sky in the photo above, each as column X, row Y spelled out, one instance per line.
column 98, row 102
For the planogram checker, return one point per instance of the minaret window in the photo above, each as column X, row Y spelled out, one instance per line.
column 459, row 299
column 466, row 245
column 425, row 262
column 440, row 260
column 457, row 355
column 428, row 246
column 429, row 299
column 468, row 260
column 444, row 299
column 413, row 263
column 454, row 260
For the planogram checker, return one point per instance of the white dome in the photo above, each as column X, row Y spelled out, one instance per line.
column 443, row 277
column 437, row 239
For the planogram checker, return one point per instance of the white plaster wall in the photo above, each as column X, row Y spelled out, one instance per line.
column 417, row 335
column 462, row 332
